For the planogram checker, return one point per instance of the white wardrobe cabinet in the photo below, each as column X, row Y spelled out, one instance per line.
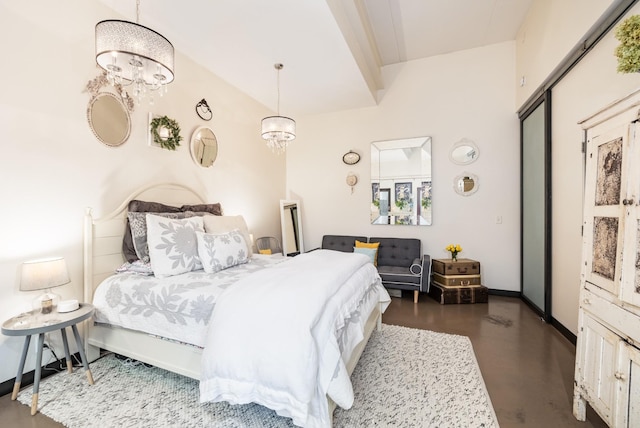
column 607, row 374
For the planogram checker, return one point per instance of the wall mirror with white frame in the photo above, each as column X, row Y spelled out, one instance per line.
column 401, row 182
column 464, row 152
column 465, row 184
column 291, row 224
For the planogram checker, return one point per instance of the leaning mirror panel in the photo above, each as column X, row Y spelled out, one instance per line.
column 401, row 181
column 291, row 224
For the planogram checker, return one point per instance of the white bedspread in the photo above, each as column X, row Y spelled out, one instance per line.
column 273, row 338
column 177, row 307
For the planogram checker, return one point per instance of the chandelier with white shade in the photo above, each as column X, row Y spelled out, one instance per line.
column 278, row 130
column 133, row 54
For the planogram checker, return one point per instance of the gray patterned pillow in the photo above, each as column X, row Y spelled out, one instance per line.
column 222, row 251
column 138, row 225
column 173, row 247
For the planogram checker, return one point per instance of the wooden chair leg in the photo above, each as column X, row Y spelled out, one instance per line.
column 416, row 293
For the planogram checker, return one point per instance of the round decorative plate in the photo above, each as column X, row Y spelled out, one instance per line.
column 351, row 158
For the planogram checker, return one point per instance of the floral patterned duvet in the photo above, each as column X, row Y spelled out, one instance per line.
column 178, row 307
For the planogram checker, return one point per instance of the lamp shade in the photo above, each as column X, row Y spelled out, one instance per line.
column 129, row 48
column 43, row 274
column 278, row 128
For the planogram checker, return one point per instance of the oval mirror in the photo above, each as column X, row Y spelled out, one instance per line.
column 204, row 146
column 464, row 152
column 109, row 119
column 466, row 184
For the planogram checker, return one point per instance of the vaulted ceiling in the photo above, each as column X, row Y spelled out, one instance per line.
column 332, row 50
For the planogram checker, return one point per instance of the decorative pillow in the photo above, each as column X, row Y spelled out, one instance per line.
column 266, row 252
column 138, row 224
column 173, row 246
column 128, row 248
column 222, row 251
column 136, row 267
column 371, row 252
column 135, row 205
column 214, row 209
column 227, row 223
column 373, row 245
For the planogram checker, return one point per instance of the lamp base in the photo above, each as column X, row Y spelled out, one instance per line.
column 46, row 303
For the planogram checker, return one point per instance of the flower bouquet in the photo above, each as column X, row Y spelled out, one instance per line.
column 454, row 249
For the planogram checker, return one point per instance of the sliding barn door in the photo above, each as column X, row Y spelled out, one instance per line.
column 536, row 206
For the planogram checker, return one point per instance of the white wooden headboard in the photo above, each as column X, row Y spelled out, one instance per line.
column 103, row 236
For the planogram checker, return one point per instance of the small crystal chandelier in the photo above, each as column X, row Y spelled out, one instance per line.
column 278, row 130
column 134, row 55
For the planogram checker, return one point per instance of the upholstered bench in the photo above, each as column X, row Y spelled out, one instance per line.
column 400, row 261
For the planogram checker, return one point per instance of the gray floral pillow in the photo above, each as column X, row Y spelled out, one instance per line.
column 138, row 224
column 173, row 247
column 222, row 251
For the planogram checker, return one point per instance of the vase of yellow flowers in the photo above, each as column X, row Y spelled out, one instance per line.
column 454, row 249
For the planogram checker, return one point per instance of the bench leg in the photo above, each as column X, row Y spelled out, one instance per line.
column 416, row 293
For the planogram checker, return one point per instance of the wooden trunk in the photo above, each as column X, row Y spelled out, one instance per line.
column 454, row 280
column 460, row 294
column 459, row 267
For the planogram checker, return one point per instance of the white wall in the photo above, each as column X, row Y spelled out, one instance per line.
column 465, row 94
column 52, row 167
column 550, row 30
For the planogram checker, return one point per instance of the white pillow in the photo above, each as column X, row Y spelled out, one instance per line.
column 218, row 224
column 173, row 247
column 222, row 251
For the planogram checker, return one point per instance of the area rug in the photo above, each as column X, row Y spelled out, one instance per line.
column 405, row 378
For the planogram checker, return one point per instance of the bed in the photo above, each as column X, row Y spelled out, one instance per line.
column 335, row 331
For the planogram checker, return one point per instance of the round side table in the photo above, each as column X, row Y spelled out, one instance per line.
column 34, row 322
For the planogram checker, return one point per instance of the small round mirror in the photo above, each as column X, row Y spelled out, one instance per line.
column 109, row 119
column 204, row 146
column 464, row 152
column 466, row 184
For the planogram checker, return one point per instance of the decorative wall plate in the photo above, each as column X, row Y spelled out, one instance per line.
column 351, row 158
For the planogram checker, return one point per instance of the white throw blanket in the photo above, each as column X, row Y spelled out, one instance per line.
column 272, row 337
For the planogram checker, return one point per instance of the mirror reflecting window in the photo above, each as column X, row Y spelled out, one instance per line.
column 401, row 181
column 465, row 184
column 464, row 152
column 204, row 146
column 291, row 224
column 109, row 119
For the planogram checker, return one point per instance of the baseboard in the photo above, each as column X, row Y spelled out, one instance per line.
column 57, row 366
column 504, row 293
column 564, row 331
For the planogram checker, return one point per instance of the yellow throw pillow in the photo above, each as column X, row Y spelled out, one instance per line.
column 267, row 251
column 369, row 245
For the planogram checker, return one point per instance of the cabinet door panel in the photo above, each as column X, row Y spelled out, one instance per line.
column 605, row 189
column 599, row 354
column 630, row 285
column 628, row 390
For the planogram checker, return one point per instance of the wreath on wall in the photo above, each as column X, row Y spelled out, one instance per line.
column 172, row 139
column 628, row 51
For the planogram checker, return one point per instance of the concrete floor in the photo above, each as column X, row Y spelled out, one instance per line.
column 526, row 364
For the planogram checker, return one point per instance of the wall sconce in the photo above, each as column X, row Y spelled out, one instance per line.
column 203, row 110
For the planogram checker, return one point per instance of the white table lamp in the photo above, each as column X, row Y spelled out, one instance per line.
column 44, row 275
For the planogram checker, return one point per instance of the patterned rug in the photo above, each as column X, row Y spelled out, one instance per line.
column 405, row 378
